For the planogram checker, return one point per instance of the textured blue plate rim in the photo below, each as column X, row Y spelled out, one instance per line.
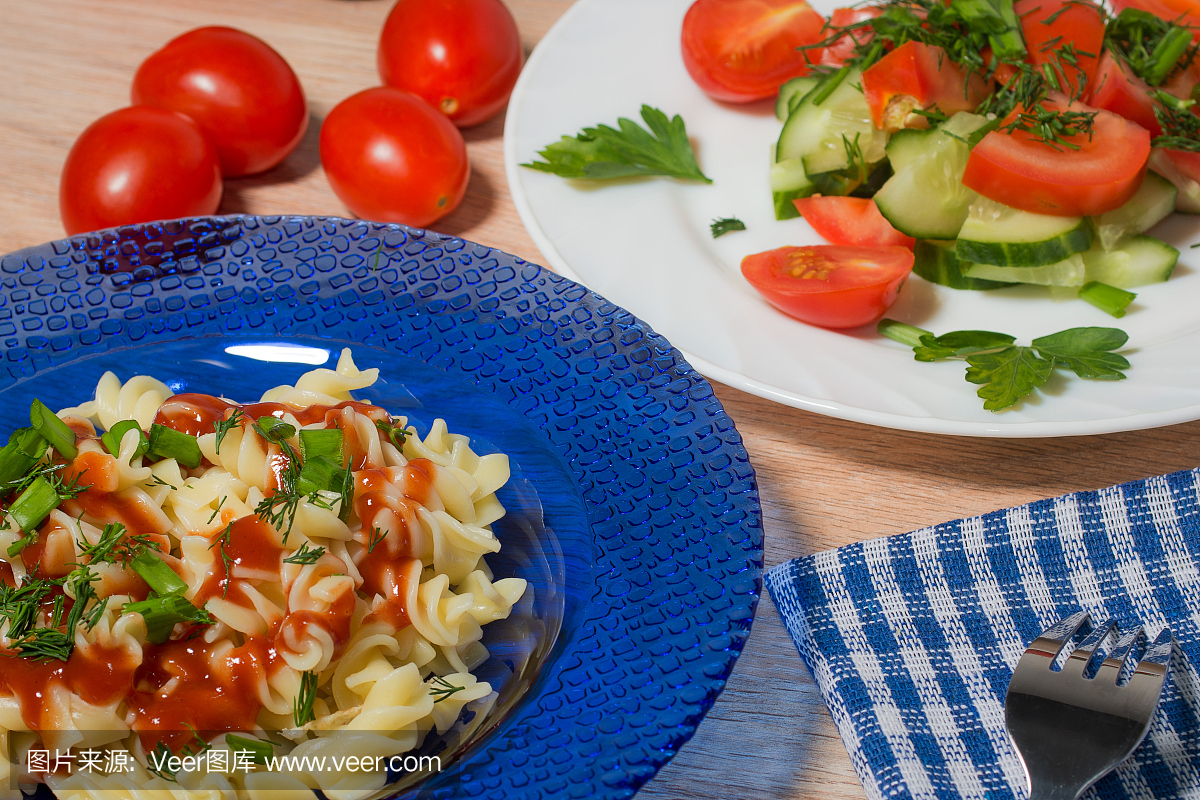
column 620, row 753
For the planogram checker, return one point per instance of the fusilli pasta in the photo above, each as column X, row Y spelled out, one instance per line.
column 304, row 573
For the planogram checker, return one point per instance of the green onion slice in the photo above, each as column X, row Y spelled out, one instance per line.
column 274, row 429
column 170, row 443
column 901, row 332
column 161, row 614
column 321, row 474
column 34, row 505
column 53, row 429
column 155, row 572
column 321, row 443
column 25, row 446
column 1108, row 299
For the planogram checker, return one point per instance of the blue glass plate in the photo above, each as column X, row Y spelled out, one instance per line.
column 632, row 512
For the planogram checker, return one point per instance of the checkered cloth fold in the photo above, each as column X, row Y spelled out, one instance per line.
column 912, row 639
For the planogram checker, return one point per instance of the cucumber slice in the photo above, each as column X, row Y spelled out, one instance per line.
column 1154, row 200
column 815, row 131
column 906, row 146
column 925, row 199
column 935, row 262
column 1188, row 199
column 788, row 181
column 791, row 93
column 1007, row 237
column 1138, row 261
column 1068, row 272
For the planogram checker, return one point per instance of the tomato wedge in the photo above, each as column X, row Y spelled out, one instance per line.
column 1022, row 171
column 742, row 50
column 920, row 76
column 1122, row 93
column 830, row 285
column 836, row 54
column 1051, row 25
column 854, row 221
column 1186, row 162
column 1181, row 12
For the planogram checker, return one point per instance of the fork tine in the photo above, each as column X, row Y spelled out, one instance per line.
column 1051, row 640
column 1077, row 662
column 1161, row 649
column 1110, row 669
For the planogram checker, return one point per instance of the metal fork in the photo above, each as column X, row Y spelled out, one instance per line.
column 1069, row 729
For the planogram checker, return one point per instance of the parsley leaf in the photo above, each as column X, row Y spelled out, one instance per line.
column 604, row 152
column 1007, row 375
column 1087, row 352
column 1005, row 371
column 959, row 344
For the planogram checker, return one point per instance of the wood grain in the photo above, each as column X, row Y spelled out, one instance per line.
column 823, row 482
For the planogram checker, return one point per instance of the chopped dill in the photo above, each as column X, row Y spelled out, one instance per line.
column 305, row 555
column 724, row 225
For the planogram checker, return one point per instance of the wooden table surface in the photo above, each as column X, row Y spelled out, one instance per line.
column 823, row 482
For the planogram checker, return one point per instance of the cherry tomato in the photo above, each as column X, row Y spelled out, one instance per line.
column 138, row 164
column 742, row 50
column 1020, row 170
column 1125, row 94
column 917, row 75
column 241, row 93
column 852, row 221
column 392, row 157
column 461, row 56
column 830, row 285
column 1050, row 25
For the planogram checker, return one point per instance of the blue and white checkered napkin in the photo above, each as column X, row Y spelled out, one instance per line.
column 912, row 639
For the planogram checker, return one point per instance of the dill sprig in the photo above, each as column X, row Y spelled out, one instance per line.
column 302, row 706
column 157, row 481
column 216, row 510
column 1056, row 128
column 723, row 225
column 80, row 581
column 441, row 688
column 1181, row 128
column 396, row 434
column 305, row 555
column 21, row 484
column 377, row 535
column 1025, row 94
column 1150, row 47
column 221, row 542
column 223, row 426
column 44, row 644
column 963, row 29
column 279, row 510
column 161, row 755
column 20, row 604
column 115, row 546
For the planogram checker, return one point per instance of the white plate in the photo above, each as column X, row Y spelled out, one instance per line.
column 645, row 244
